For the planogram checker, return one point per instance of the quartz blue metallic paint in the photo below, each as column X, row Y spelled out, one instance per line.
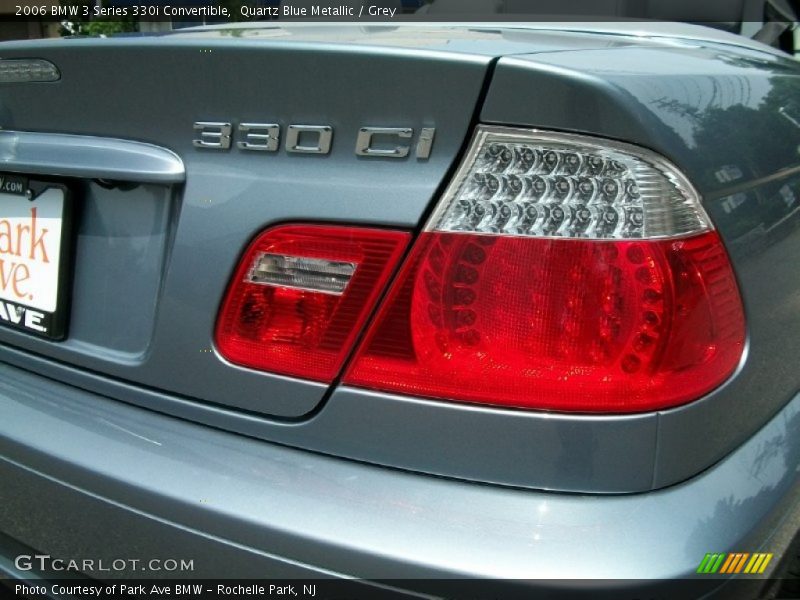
column 244, row 508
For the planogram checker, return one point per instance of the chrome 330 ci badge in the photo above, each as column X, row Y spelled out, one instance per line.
column 379, row 142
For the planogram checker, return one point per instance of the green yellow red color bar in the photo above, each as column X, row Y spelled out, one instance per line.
column 735, row 562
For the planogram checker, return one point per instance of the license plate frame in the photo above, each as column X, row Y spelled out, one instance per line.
column 35, row 270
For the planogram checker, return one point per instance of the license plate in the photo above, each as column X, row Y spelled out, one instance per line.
column 32, row 256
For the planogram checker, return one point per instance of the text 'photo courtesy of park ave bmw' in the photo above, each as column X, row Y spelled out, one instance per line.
column 471, row 299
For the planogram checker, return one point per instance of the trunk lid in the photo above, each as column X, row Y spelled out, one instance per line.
column 151, row 260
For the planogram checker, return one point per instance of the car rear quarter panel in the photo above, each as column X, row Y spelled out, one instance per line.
column 723, row 118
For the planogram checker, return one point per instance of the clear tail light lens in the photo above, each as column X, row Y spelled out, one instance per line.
column 560, row 272
column 27, row 70
column 301, row 294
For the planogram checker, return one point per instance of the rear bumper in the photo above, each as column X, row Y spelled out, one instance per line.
column 85, row 477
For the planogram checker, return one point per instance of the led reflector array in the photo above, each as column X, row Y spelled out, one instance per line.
column 537, row 184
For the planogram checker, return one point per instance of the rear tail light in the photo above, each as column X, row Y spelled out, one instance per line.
column 301, row 294
column 560, row 272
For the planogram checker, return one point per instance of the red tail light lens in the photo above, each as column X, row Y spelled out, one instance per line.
column 560, row 272
column 301, row 294
column 619, row 326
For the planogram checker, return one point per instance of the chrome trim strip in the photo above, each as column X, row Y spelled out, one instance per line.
column 88, row 156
